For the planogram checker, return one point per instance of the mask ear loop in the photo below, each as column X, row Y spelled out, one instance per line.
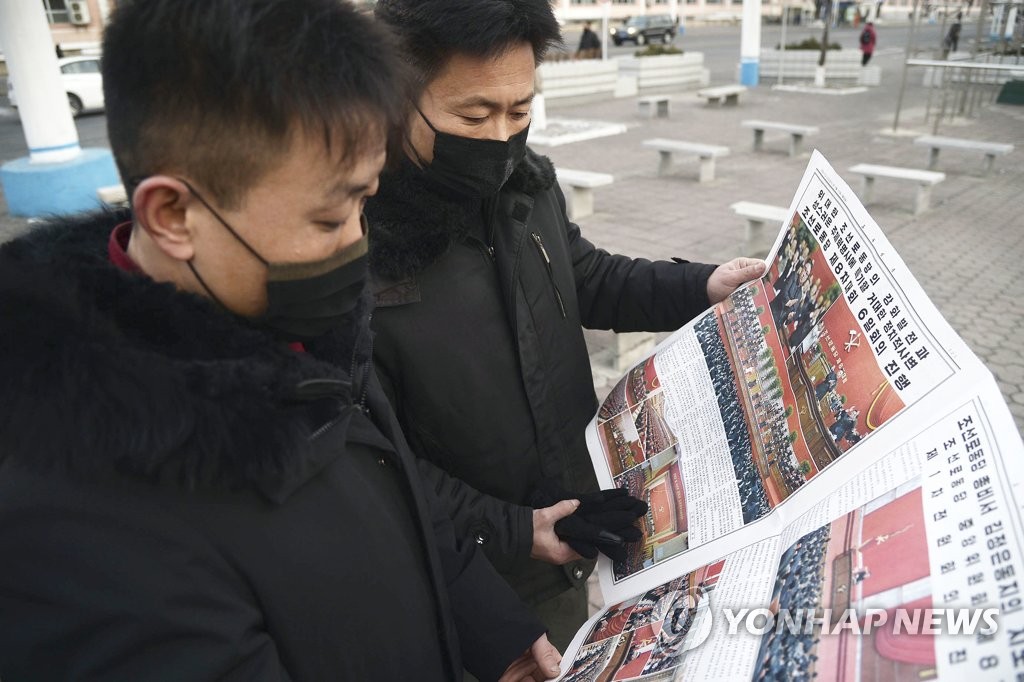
column 425, row 119
column 420, row 161
column 191, row 265
column 209, row 291
column 223, row 222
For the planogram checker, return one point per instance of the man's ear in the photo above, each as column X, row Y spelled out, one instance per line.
column 160, row 204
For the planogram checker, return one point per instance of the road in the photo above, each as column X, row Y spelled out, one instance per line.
column 721, row 43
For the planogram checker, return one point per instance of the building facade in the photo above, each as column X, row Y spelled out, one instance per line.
column 76, row 26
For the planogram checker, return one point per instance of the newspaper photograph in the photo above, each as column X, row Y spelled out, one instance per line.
column 757, row 396
column 834, row 481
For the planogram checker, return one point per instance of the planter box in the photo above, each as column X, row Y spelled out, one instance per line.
column 666, row 72
column 578, row 81
column 800, row 65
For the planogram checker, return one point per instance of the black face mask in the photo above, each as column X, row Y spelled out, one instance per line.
column 305, row 300
column 474, row 168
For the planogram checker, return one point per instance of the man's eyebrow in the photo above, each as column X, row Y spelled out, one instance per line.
column 350, row 187
column 481, row 101
column 342, row 191
column 347, row 189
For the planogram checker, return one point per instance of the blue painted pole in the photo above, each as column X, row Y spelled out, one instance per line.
column 750, row 43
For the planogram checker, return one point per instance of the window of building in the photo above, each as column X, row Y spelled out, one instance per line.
column 57, row 11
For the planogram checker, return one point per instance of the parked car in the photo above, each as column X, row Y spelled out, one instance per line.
column 82, row 81
column 641, row 30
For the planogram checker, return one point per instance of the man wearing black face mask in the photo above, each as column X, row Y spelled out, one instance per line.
column 483, row 287
column 200, row 476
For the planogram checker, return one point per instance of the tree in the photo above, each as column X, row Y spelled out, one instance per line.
column 789, row 410
column 792, row 437
column 805, row 467
column 828, row 7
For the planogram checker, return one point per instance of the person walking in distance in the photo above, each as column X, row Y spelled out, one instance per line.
column 953, row 35
column 868, row 38
column 590, row 44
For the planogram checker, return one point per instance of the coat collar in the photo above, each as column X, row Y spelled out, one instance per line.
column 412, row 224
column 107, row 370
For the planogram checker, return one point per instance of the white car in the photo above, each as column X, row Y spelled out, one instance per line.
column 82, row 81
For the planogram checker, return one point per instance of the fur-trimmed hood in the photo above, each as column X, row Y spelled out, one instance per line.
column 106, row 370
column 412, row 224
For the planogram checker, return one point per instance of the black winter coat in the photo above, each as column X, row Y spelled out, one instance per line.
column 480, row 346
column 182, row 497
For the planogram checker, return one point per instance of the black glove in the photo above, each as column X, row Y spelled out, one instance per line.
column 605, row 520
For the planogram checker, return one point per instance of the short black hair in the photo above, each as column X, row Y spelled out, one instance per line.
column 430, row 32
column 217, row 89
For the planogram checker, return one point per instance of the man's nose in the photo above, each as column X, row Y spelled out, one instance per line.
column 502, row 130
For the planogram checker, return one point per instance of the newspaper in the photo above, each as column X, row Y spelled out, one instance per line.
column 833, row 479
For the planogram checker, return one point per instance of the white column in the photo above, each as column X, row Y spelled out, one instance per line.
column 673, row 8
column 32, row 64
column 104, row 8
column 750, row 43
column 606, row 13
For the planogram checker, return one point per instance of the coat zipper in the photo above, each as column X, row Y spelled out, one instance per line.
column 551, row 273
column 361, row 404
column 366, row 382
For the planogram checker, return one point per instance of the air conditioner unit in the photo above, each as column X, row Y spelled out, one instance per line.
column 79, row 12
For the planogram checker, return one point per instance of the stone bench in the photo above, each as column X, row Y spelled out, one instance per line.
column 727, row 94
column 113, row 195
column 757, row 215
column 706, row 152
column 924, row 180
column 647, row 106
column 582, row 184
column 989, row 149
column 796, row 133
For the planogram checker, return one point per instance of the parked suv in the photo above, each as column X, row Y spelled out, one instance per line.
column 642, row 30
